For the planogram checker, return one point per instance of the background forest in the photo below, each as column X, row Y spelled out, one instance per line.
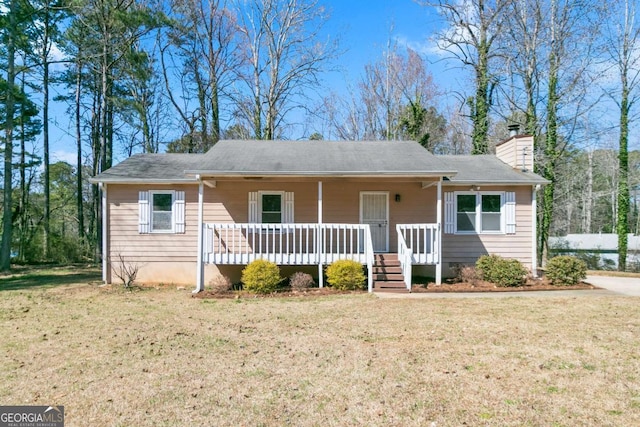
column 147, row 76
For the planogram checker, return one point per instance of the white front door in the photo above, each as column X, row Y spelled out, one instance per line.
column 374, row 210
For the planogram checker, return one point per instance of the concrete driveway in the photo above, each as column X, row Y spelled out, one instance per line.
column 629, row 286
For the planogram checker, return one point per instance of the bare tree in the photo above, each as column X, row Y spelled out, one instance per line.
column 623, row 49
column 523, row 40
column 471, row 37
column 285, row 57
column 568, row 82
column 549, row 50
column 200, row 51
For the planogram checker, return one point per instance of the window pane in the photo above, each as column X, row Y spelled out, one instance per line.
column 162, row 220
column 466, row 221
column 271, row 203
column 490, row 221
column 491, row 203
column 271, row 208
column 271, row 218
column 162, row 202
column 466, row 203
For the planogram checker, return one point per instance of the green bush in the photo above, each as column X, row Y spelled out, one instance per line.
column 346, row 275
column 501, row 271
column 566, row 270
column 261, row 276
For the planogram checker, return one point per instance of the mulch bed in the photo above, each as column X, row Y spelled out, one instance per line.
column 285, row 293
column 476, row 286
column 482, row 286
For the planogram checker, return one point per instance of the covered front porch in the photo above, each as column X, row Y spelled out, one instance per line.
column 290, row 243
column 320, row 245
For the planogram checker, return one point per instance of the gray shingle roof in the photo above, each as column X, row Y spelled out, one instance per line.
column 315, row 158
column 152, row 168
column 488, row 169
column 320, row 158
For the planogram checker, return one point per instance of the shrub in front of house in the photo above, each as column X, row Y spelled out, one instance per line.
column 566, row 270
column 346, row 275
column 301, row 281
column 261, row 276
column 503, row 272
column 466, row 274
column 220, row 284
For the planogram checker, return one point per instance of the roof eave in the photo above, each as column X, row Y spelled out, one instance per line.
column 95, row 180
column 335, row 174
column 507, row 182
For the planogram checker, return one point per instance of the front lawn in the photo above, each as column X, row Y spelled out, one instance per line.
column 159, row 357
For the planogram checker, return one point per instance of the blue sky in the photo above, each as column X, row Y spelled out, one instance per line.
column 363, row 28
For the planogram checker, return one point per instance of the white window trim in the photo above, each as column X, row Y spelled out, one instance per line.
column 173, row 211
column 478, row 224
column 271, row 193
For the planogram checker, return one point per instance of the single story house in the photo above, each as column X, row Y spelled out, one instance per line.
column 390, row 205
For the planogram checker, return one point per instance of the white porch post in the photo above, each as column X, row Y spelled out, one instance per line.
column 105, row 228
column 439, row 243
column 534, row 232
column 200, row 263
column 320, row 279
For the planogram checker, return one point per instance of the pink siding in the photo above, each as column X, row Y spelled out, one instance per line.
column 228, row 203
column 342, row 203
column 465, row 249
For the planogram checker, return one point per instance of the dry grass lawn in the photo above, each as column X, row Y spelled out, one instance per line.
column 158, row 357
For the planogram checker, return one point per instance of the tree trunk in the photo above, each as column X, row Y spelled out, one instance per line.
column 79, row 199
column 22, row 217
column 481, row 102
column 45, row 138
column 551, row 144
column 622, row 225
column 7, row 224
column 588, row 205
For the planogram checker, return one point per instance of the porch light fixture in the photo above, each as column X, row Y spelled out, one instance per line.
column 397, row 197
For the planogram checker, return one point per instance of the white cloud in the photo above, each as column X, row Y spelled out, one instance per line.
column 64, row 156
column 425, row 47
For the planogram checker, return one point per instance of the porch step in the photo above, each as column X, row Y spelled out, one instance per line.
column 387, row 274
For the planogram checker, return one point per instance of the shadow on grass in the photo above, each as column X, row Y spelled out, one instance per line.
column 31, row 278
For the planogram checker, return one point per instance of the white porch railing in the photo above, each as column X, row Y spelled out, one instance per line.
column 288, row 244
column 405, row 256
column 417, row 244
column 422, row 239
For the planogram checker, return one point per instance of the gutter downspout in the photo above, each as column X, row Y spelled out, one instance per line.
column 534, row 227
column 320, row 278
column 105, row 228
column 199, row 262
column 439, row 233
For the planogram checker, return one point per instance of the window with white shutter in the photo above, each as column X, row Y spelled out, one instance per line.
column 479, row 212
column 161, row 211
column 271, row 207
